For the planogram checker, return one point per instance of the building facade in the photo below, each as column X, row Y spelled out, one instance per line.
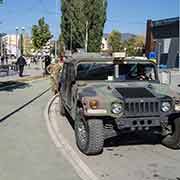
column 105, row 45
column 10, row 45
column 163, row 38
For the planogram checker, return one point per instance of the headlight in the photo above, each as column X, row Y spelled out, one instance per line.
column 177, row 106
column 117, row 108
column 166, row 106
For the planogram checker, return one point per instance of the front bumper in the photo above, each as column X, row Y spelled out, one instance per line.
column 141, row 123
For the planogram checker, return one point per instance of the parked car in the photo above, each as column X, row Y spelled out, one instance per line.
column 107, row 97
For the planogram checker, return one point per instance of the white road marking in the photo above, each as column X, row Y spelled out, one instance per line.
column 61, row 143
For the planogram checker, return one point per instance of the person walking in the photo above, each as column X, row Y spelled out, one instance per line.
column 21, row 62
column 47, row 61
column 29, row 62
column 6, row 60
column 2, row 60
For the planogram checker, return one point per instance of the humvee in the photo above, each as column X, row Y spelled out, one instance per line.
column 106, row 97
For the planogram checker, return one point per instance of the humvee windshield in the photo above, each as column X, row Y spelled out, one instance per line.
column 123, row 72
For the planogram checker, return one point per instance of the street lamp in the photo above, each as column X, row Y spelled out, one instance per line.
column 21, row 40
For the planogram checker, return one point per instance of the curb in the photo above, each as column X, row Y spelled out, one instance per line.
column 82, row 170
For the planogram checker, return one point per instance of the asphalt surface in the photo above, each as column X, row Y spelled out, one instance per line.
column 27, row 151
column 175, row 81
column 130, row 158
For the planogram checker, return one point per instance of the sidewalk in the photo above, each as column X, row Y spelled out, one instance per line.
column 33, row 72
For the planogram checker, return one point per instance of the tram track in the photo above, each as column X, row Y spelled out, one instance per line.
column 28, row 102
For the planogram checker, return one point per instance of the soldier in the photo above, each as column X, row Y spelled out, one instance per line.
column 2, row 60
column 54, row 71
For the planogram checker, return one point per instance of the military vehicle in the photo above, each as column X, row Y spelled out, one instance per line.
column 107, row 96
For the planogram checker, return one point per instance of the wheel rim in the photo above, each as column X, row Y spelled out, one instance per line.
column 82, row 133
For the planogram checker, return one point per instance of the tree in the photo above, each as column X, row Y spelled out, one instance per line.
column 135, row 46
column 40, row 34
column 114, row 40
column 73, row 23
column 95, row 12
column 81, row 18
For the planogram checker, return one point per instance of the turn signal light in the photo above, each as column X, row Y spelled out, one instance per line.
column 93, row 104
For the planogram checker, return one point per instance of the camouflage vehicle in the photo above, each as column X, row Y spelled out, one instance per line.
column 106, row 97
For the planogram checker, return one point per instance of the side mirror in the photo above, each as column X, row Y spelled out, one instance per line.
column 165, row 77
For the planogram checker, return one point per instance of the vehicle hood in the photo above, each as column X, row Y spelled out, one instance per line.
column 126, row 90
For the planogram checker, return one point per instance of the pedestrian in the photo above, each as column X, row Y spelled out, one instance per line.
column 21, row 62
column 47, row 61
column 2, row 60
column 6, row 59
column 28, row 62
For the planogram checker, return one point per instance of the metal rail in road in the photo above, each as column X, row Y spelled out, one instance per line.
column 24, row 105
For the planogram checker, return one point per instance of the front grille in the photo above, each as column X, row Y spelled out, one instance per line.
column 142, row 108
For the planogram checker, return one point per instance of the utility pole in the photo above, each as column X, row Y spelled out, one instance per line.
column 56, row 41
column 159, row 54
column 21, row 44
column 71, row 38
column 55, row 44
column 1, row 45
column 86, row 39
column 17, row 30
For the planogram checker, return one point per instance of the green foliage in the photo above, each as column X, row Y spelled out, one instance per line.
column 134, row 46
column 72, row 26
column 96, row 16
column 61, row 46
column 40, row 34
column 114, row 40
column 79, row 17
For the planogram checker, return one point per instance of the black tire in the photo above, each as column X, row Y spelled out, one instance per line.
column 173, row 141
column 93, row 140
column 61, row 107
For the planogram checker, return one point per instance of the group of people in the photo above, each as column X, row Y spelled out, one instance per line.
column 22, row 62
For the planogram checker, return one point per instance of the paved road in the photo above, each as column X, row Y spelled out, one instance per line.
column 175, row 81
column 122, row 158
column 27, row 152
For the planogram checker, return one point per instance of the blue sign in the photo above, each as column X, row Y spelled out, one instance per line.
column 152, row 55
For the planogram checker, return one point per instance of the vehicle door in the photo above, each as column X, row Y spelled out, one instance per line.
column 63, row 82
column 70, row 83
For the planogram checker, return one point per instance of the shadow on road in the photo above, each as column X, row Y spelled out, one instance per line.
column 133, row 139
column 70, row 120
column 141, row 138
column 12, row 85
